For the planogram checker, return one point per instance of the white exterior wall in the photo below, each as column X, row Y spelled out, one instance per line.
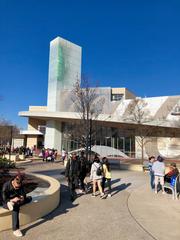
column 17, row 142
column 53, row 135
column 164, row 146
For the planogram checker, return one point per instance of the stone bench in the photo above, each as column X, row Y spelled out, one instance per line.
column 42, row 203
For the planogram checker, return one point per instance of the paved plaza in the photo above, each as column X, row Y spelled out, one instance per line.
column 133, row 212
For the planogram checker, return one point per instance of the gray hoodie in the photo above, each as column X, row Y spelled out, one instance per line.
column 158, row 168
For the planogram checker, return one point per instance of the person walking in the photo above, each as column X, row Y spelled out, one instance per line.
column 159, row 170
column 72, row 175
column 63, row 155
column 96, row 176
column 106, row 175
column 14, row 197
column 151, row 173
column 83, row 170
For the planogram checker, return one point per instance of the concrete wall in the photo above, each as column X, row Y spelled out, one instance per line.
column 32, row 126
column 17, row 142
column 38, row 108
column 31, row 141
column 167, row 147
column 127, row 94
column 53, row 135
column 34, row 123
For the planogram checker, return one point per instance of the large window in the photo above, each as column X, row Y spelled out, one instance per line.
column 116, row 97
column 123, row 140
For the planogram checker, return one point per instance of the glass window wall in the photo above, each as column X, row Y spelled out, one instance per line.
column 121, row 139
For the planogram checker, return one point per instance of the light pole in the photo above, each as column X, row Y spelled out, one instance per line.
column 90, row 138
column 10, row 142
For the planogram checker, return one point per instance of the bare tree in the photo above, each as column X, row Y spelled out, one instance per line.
column 139, row 114
column 7, row 131
column 89, row 105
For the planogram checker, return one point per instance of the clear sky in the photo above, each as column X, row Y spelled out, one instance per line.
column 132, row 43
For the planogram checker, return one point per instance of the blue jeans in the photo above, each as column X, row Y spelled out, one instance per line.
column 15, row 212
column 151, row 179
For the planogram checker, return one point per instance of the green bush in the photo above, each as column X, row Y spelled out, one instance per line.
column 5, row 163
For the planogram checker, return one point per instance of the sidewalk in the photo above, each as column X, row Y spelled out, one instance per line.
column 132, row 213
column 158, row 214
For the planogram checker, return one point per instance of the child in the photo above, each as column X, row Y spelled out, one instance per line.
column 106, row 175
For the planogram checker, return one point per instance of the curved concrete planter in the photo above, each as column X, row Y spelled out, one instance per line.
column 23, row 161
column 41, row 205
column 15, row 157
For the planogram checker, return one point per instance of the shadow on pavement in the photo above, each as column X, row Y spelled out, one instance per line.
column 115, row 181
column 51, row 172
column 63, row 208
column 120, row 188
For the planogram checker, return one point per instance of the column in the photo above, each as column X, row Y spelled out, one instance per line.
column 53, row 137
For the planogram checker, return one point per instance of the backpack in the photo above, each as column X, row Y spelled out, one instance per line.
column 173, row 180
column 99, row 170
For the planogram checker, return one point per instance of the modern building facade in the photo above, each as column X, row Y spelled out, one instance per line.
column 47, row 125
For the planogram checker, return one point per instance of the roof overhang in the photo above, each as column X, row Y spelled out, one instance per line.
column 30, row 132
column 103, row 119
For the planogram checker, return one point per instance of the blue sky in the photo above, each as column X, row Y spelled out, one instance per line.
column 133, row 44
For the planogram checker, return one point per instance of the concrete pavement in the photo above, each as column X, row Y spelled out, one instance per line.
column 133, row 212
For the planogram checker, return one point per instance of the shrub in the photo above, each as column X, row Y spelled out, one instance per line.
column 5, row 163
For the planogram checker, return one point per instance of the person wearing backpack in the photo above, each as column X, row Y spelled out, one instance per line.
column 96, row 176
column 106, row 175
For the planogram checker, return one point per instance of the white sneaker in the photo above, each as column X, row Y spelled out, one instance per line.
column 163, row 192
column 156, row 192
column 109, row 195
column 102, row 196
column 18, row 233
column 10, row 205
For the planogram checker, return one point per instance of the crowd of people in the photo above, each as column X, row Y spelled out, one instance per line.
column 98, row 172
column 26, row 151
column 48, row 154
column 158, row 174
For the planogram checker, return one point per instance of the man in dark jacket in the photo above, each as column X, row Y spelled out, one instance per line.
column 14, row 197
column 83, row 170
column 72, row 175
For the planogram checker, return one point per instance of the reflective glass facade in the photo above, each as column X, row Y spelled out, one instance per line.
column 123, row 140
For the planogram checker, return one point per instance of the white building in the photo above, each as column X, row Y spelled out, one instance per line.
column 116, row 128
